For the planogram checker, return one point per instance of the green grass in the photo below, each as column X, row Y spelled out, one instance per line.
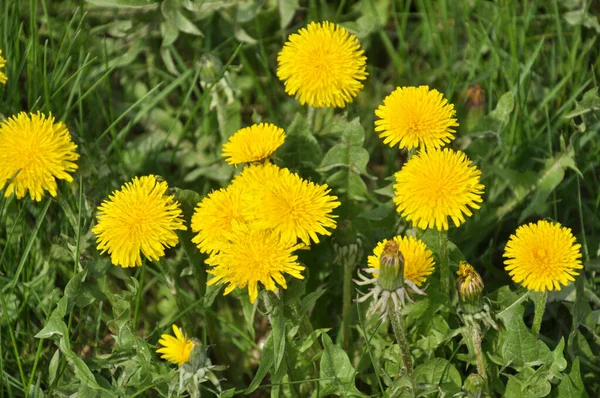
column 158, row 90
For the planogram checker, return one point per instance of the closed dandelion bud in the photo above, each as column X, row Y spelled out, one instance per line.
column 470, row 288
column 475, row 386
column 391, row 266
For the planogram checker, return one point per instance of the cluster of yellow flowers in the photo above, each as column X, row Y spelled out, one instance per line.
column 251, row 229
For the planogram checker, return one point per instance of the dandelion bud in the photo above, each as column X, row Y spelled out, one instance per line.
column 475, row 386
column 391, row 266
column 470, row 287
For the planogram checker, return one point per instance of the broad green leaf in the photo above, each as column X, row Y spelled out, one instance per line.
column 548, row 179
column 582, row 17
column 527, row 385
column 342, row 155
column 337, row 373
column 300, row 148
column 277, row 319
column 172, row 13
column 265, row 365
column 440, row 372
column 497, row 119
column 53, row 367
column 519, row 347
column 590, row 102
column 287, row 9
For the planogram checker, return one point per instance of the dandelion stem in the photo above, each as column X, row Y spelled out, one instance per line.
column 396, row 320
column 444, row 263
column 481, row 365
column 539, row 304
column 347, row 305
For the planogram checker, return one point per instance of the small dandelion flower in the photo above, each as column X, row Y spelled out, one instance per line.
column 253, row 143
column 251, row 257
column 322, row 65
column 297, row 209
column 469, row 284
column 418, row 260
column 215, row 215
column 541, row 256
column 176, row 349
column 139, row 218
column 412, row 117
column 36, row 152
column 436, row 185
column 3, row 77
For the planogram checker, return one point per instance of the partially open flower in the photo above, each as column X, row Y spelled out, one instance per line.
column 469, row 284
column 397, row 267
column 473, row 308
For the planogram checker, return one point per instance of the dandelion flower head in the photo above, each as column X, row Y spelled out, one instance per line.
column 418, row 260
column 412, row 117
column 215, row 215
column 138, row 219
column 541, row 256
column 253, row 143
column 3, row 77
column 176, row 349
column 36, row 152
column 322, row 65
column 296, row 209
column 469, row 282
column 253, row 256
column 435, row 185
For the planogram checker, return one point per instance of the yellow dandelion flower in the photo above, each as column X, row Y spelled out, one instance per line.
column 541, row 256
column 469, row 284
column 418, row 260
column 176, row 349
column 413, row 117
column 138, row 218
column 322, row 65
column 253, row 143
column 436, row 184
column 3, row 77
column 36, row 152
column 216, row 214
column 252, row 256
column 296, row 209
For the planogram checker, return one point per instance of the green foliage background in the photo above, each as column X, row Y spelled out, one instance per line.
column 157, row 86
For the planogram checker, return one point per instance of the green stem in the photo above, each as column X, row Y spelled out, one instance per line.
column 481, row 366
column 396, row 320
column 347, row 305
column 539, row 308
column 139, row 296
column 444, row 263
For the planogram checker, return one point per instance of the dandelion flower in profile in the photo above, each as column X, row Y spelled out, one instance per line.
column 254, row 256
column 297, row 209
column 138, row 219
column 253, row 143
column 541, row 256
column 436, row 185
column 413, row 117
column 469, row 283
column 3, row 77
column 418, row 260
column 215, row 215
column 322, row 65
column 176, row 349
column 36, row 152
